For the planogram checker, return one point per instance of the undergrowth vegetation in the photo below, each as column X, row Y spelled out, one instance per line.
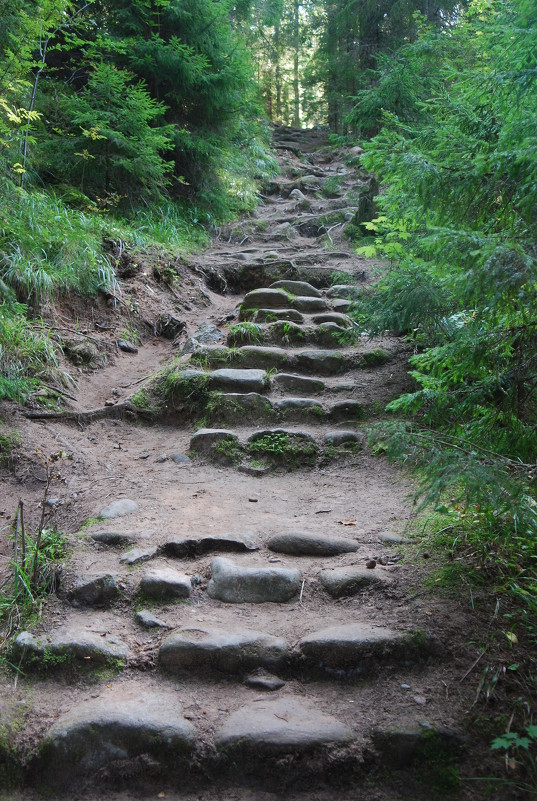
column 456, row 151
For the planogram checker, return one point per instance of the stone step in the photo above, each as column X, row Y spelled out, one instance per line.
column 235, row 584
column 116, row 729
column 298, row 544
column 280, row 299
column 308, row 361
column 346, row 581
column 66, row 646
column 345, row 291
column 229, row 408
column 226, row 650
column 243, row 277
column 301, row 288
column 272, row 448
column 358, row 648
column 328, row 334
column 284, row 728
column 194, row 547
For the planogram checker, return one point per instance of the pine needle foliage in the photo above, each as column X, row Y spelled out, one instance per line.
column 456, row 150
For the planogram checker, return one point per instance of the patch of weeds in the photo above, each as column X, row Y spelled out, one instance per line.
column 248, row 314
column 246, row 334
column 229, row 449
column 9, row 440
column 142, row 400
column 130, row 333
column 91, row 521
column 34, row 563
column 332, row 452
column 331, row 187
column 183, row 392
column 287, row 332
column 437, row 767
column 289, row 450
column 519, row 758
column 338, row 278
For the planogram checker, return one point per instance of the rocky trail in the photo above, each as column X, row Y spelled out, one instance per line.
column 240, row 616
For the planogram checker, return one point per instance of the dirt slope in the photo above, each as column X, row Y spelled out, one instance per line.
column 267, row 676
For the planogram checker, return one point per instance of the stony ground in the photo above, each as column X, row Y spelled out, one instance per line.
column 240, row 615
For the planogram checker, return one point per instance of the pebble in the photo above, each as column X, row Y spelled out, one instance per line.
column 370, row 564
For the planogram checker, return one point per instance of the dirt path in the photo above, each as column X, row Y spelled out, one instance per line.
column 245, row 627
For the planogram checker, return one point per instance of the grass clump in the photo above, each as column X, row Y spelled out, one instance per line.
column 284, row 449
column 26, row 352
column 245, row 333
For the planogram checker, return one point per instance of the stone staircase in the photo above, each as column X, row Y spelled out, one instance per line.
column 231, row 660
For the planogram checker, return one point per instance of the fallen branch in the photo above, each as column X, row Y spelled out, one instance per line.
column 89, row 415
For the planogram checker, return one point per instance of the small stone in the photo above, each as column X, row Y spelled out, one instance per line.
column 419, row 699
column 92, row 590
column 338, row 438
column 394, row 539
column 126, row 346
column 119, row 508
column 405, row 686
column 137, row 555
column 264, row 681
column 179, row 458
column 163, row 458
column 113, row 538
column 371, row 564
column 149, row 621
column 110, row 403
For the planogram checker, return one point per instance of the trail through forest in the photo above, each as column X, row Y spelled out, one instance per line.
column 241, row 615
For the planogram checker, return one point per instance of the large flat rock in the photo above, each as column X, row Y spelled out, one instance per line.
column 65, row 645
column 219, row 649
column 119, row 508
column 193, row 547
column 237, row 380
column 113, row 730
column 94, row 590
column 165, row 582
column 271, row 315
column 301, row 288
column 357, row 647
column 236, row 584
column 287, row 382
column 346, row 581
column 309, row 305
column 300, row 544
column 278, row 726
column 266, row 299
column 322, row 362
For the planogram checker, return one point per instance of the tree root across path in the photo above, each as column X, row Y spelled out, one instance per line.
column 89, row 415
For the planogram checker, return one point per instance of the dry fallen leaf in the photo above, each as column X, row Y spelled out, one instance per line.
column 347, row 522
